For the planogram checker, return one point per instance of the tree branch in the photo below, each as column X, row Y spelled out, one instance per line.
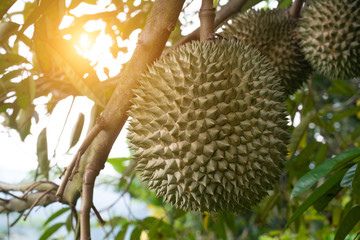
column 19, row 205
column 160, row 23
column 295, row 9
column 207, row 16
column 226, row 12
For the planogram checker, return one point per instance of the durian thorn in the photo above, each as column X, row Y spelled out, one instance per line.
column 295, row 9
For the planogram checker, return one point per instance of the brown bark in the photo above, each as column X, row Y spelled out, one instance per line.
column 207, row 16
column 295, row 9
column 226, row 12
column 160, row 23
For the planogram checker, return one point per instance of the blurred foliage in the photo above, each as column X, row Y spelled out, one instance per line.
column 318, row 194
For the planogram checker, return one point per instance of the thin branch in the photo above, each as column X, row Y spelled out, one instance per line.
column 17, row 219
column 72, row 169
column 34, row 185
column 37, row 201
column 101, row 220
column 62, row 130
column 226, row 12
column 295, row 9
column 13, row 195
column 8, row 225
column 207, row 16
column 121, row 195
column 160, row 23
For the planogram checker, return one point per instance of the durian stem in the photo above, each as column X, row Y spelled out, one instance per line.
column 159, row 24
column 207, row 17
column 295, row 9
column 226, row 11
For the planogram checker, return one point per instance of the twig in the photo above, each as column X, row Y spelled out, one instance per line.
column 101, row 220
column 226, row 11
column 121, row 195
column 13, row 195
column 17, row 219
column 62, row 130
column 34, row 185
column 8, row 225
column 36, row 202
column 74, row 215
column 295, row 9
column 72, row 169
column 207, row 16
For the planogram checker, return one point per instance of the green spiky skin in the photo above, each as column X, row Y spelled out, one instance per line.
column 272, row 33
column 330, row 37
column 208, row 127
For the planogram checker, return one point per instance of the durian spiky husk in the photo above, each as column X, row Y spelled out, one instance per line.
column 272, row 33
column 330, row 37
column 209, row 127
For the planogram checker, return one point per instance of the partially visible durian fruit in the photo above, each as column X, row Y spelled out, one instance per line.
column 272, row 33
column 330, row 37
column 209, row 127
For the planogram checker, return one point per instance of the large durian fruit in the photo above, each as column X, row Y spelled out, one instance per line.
column 272, row 33
column 330, row 37
column 209, row 127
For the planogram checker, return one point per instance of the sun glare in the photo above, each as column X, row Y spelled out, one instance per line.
column 84, row 41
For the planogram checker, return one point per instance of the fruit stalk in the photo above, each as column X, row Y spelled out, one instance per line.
column 207, row 17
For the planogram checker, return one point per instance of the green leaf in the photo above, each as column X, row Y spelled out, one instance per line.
column 68, row 223
column 10, row 75
column 341, row 87
column 356, row 181
column 299, row 164
column 317, row 194
column 76, row 132
column 75, row 68
column 5, row 106
column 56, row 214
column 306, row 181
column 220, row 227
column 248, row 4
column 5, row 6
column 285, row 3
column 42, row 154
column 92, row 2
column 346, row 113
column 35, row 14
column 136, row 233
column 23, row 121
column 348, row 223
column 121, row 234
column 157, row 227
column 321, row 154
column 119, row 163
column 10, row 59
column 50, row 231
column 323, row 201
column 25, row 92
column 349, row 177
column 299, row 131
column 74, row 3
column 7, row 29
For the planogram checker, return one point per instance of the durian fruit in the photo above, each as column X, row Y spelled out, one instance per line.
column 272, row 33
column 329, row 31
column 208, row 126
